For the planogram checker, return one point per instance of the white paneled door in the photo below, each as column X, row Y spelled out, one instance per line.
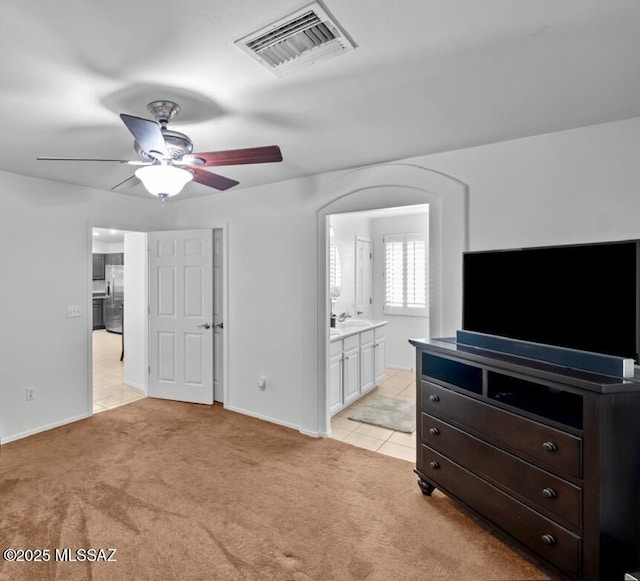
column 181, row 315
column 364, row 281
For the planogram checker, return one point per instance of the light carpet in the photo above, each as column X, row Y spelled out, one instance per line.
column 193, row 492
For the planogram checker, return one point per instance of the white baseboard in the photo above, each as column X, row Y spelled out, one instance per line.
column 400, row 367
column 41, row 429
column 265, row 418
column 315, row 434
column 141, row 388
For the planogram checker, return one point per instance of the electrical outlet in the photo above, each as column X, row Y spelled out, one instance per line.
column 74, row 311
column 30, row 393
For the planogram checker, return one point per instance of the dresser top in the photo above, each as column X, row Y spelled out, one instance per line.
column 586, row 380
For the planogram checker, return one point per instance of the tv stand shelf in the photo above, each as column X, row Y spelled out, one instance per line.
column 549, row 455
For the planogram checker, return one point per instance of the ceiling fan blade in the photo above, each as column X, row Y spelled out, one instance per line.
column 265, row 154
column 127, row 161
column 147, row 134
column 134, row 179
column 212, row 180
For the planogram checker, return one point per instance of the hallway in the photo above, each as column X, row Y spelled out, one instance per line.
column 108, row 390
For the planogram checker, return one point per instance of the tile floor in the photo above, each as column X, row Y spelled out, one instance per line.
column 108, row 390
column 396, row 384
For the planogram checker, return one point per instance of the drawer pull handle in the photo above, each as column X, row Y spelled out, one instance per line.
column 435, row 465
column 434, row 431
column 548, row 539
column 549, row 493
column 550, row 447
column 434, row 397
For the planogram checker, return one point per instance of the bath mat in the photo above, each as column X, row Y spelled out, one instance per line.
column 394, row 414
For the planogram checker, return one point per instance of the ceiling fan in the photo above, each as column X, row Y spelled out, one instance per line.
column 167, row 158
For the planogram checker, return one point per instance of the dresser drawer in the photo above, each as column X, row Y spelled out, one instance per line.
column 546, row 446
column 554, row 543
column 558, row 498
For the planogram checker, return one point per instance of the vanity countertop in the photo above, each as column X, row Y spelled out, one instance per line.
column 353, row 327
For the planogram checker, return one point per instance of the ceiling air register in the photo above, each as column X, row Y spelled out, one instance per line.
column 300, row 39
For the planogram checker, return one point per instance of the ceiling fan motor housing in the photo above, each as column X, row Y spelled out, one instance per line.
column 178, row 144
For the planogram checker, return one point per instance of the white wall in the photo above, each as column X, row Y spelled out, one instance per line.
column 572, row 186
column 277, row 326
column 100, row 247
column 399, row 353
column 45, row 242
column 567, row 187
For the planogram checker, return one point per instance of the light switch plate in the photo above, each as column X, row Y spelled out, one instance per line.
column 74, row 311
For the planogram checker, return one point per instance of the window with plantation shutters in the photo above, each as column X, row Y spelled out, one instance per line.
column 405, row 274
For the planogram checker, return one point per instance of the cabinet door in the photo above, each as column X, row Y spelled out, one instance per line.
column 98, row 267
column 351, row 375
column 366, row 368
column 98, row 322
column 335, row 384
column 115, row 258
column 379, row 357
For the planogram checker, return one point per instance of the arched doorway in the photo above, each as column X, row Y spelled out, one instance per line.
column 393, row 185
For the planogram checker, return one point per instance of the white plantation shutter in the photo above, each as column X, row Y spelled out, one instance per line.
column 335, row 272
column 405, row 274
column 416, row 274
column 394, row 274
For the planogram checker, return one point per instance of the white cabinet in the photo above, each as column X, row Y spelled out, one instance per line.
column 356, row 365
column 351, row 369
column 335, row 377
column 379, row 354
column 367, row 382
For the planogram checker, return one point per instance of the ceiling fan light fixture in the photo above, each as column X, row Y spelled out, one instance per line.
column 163, row 181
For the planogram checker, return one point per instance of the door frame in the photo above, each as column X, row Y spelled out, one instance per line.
column 91, row 224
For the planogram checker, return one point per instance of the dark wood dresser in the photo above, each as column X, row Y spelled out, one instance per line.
column 549, row 455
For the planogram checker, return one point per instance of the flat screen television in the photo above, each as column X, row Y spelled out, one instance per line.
column 583, row 296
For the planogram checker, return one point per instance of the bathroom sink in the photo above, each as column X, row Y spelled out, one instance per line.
column 355, row 323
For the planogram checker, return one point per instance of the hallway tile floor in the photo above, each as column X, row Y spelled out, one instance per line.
column 108, row 390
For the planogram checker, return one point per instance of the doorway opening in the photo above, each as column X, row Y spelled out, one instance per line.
column 379, row 293
column 118, row 302
column 385, row 186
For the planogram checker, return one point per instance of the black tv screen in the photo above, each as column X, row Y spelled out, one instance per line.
column 581, row 296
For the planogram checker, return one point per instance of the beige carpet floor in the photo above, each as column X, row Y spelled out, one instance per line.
column 191, row 492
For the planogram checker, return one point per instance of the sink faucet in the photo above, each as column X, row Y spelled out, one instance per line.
column 344, row 316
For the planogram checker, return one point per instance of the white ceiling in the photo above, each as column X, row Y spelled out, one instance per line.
column 427, row 76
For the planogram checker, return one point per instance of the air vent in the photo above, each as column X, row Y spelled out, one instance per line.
column 298, row 40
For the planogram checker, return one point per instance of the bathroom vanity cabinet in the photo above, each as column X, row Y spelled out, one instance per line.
column 356, row 362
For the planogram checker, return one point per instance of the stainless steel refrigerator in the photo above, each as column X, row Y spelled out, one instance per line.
column 114, row 302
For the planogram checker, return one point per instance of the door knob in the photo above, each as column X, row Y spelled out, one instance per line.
column 219, row 326
column 204, row 326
